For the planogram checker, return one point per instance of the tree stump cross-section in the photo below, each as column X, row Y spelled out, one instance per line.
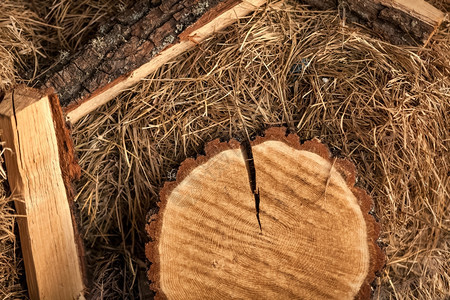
column 315, row 240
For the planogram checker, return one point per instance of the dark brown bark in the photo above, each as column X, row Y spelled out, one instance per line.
column 397, row 26
column 124, row 44
column 322, row 4
column 70, row 170
column 141, row 32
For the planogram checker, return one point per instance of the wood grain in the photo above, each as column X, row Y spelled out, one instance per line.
column 48, row 241
column 315, row 242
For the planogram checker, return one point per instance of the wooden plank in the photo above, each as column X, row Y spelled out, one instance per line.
column 222, row 16
column 52, row 263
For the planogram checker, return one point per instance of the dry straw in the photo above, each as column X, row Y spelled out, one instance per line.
column 36, row 34
column 10, row 271
column 383, row 107
column 386, row 108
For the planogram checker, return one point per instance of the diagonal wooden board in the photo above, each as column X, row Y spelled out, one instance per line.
column 419, row 9
column 317, row 239
column 400, row 21
column 214, row 20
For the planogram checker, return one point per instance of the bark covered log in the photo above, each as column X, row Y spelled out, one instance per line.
column 402, row 22
column 124, row 44
column 137, row 44
column 285, row 222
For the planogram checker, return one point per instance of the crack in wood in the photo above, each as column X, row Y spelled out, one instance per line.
column 15, row 121
column 291, row 176
column 251, row 170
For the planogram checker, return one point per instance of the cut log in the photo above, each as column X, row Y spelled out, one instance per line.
column 40, row 164
column 139, row 43
column 284, row 222
column 410, row 22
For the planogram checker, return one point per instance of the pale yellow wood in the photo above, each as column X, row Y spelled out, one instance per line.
column 46, row 232
column 223, row 20
column 313, row 244
column 318, row 213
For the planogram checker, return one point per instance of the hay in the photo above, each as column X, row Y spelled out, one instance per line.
column 383, row 107
column 440, row 4
column 10, row 271
column 10, row 287
column 37, row 34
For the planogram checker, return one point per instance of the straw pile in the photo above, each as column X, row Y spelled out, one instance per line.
column 37, row 34
column 385, row 108
column 10, row 270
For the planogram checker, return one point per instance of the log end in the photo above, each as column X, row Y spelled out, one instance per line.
column 316, row 239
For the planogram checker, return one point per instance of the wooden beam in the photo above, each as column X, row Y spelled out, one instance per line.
column 225, row 14
column 30, row 124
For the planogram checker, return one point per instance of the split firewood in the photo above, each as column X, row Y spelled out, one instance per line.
column 277, row 220
column 410, row 22
column 137, row 43
column 40, row 165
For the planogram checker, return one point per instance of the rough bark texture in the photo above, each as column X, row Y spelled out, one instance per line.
column 317, row 239
column 322, row 4
column 398, row 26
column 70, row 170
column 124, row 44
column 393, row 24
column 141, row 32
